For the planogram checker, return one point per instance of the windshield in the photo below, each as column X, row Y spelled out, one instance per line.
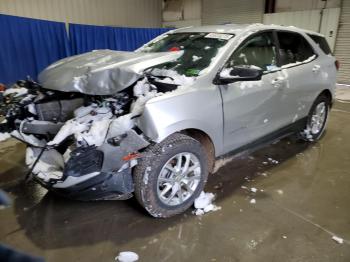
column 199, row 50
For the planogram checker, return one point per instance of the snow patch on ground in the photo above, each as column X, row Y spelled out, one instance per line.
column 339, row 240
column 221, row 162
column 204, row 204
column 253, row 189
column 4, row 136
column 127, row 256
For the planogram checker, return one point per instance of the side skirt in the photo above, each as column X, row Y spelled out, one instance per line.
column 268, row 139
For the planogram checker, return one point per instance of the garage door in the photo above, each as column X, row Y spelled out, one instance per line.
column 232, row 11
column 342, row 46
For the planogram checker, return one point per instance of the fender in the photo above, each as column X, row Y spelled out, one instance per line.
column 178, row 111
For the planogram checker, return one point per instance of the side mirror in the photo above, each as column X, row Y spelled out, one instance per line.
column 239, row 73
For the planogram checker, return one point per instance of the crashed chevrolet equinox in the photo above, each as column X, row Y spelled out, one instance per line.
column 107, row 125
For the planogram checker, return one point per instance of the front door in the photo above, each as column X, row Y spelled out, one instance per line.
column 251, row 107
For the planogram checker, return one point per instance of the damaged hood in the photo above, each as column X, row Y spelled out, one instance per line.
column 101, row 72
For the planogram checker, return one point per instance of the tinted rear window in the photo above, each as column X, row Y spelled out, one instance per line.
column 322, row 43
column 293, row 48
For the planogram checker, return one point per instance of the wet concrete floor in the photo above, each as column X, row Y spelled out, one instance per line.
column 301, row 203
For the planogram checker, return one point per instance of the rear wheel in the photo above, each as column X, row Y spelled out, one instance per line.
column 171, row 175
column 317, row 119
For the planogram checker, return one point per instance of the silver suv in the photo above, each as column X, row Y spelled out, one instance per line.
column 109, row 124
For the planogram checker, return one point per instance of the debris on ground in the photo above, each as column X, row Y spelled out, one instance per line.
column 204, row 204
column 127, row 256
column 219, row 186
column 4, row 136
column 307, row 134
column 253, row 189
column 252, row 201
column 284, row 237
column 339, row 240
column 221, row 162
column 273, row 161
column 279, row 191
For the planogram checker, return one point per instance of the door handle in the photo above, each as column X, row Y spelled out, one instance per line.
column 316, row 68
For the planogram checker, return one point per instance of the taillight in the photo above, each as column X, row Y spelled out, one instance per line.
column 337, row 64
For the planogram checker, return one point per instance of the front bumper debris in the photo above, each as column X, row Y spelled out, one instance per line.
column 98, row 173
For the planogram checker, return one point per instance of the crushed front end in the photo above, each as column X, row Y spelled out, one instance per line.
column 80, row 122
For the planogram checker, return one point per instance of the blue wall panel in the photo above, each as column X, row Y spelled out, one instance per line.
column 86, row 38
column 29, row 45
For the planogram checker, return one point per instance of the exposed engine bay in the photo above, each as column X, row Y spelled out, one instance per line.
column 81, row 145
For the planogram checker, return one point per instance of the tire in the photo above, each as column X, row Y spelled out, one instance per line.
column 314, row 131
column 155, row 174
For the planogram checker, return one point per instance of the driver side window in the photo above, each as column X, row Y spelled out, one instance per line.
column 259, row 51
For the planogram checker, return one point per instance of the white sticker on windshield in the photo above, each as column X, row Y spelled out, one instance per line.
column 219, row 36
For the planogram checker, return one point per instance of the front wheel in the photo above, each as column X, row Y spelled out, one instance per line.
column 317, row 119
column 171, row 175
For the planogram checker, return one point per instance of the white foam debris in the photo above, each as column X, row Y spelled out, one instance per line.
column 226, row 73
column 307, row 134
column 196, row 58
column 69, row 128
column 339, row 240
column 266, row 120
column 49, row 166
column 273, row 161
column 252, row 201
column 4, row 136
column 127, row 256
column 142, row 87
column 30, row 139
column 172, row 77
column 280, row 191
column 284, row 237
column 31, row 109
column 253, row 189
column 204, row 204
column 17, row 91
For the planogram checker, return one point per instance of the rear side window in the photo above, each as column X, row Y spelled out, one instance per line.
column 322, row 43
column 293, row 48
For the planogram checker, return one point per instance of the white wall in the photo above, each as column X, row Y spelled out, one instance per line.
column 301, row 5
column 132, row 13
column 309, row 19
column 182, row 13
column 232, row 11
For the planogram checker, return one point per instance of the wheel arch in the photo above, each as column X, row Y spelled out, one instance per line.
column 327, row 93
column 206, row 142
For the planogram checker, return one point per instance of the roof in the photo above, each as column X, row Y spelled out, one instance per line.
column 238, row 28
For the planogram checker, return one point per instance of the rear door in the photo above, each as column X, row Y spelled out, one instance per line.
column 251, row 108
column 303, row 72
